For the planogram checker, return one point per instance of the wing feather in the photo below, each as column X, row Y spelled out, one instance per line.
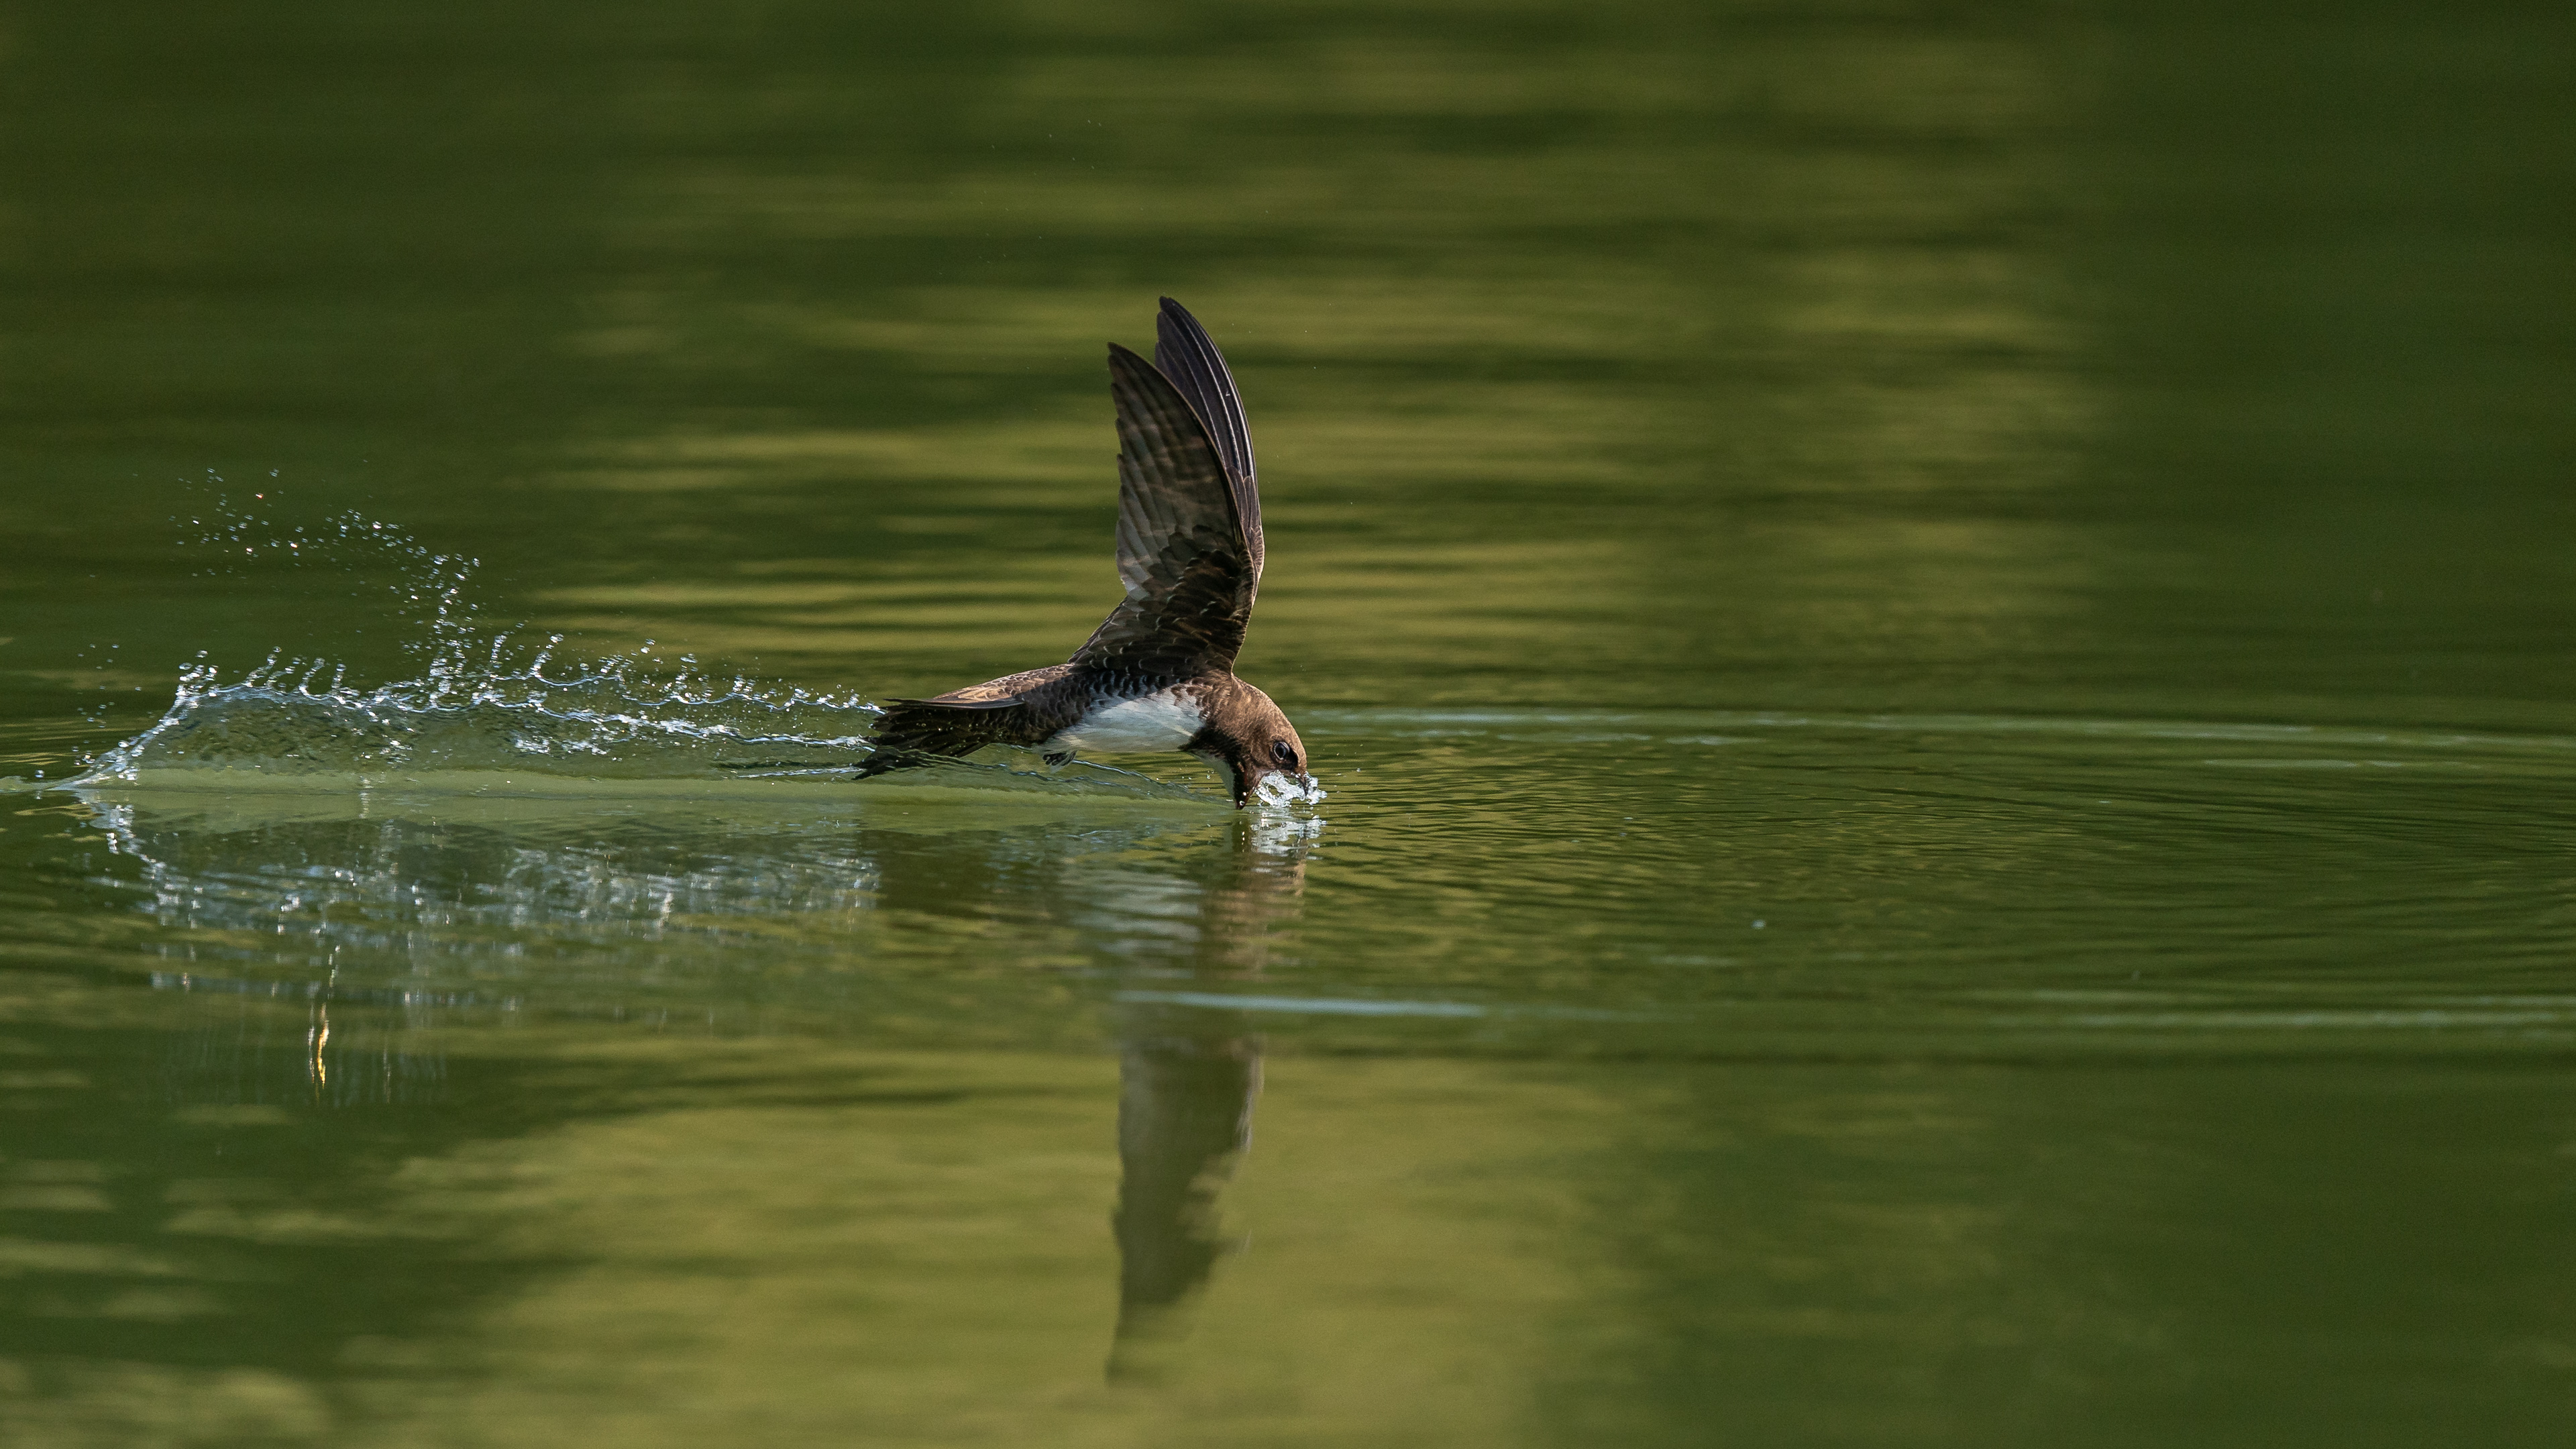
column 1183, row 551
column 1188, row 356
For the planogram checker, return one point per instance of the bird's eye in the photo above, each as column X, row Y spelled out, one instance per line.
column 1283, row 756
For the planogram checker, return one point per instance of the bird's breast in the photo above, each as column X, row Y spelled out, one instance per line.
column 1165, row 720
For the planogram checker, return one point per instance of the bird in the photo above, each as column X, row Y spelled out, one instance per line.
column 1158, row 674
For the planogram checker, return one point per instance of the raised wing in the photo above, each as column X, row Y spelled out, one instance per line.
column 1188, row 356
column 1189, row 563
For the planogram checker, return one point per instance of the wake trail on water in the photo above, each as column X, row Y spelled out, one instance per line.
column 486, row 704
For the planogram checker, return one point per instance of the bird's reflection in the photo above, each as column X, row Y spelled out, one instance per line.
column 1185, row 1102
column 425, row 915
column 1187, row 1081
column 1188, row 1076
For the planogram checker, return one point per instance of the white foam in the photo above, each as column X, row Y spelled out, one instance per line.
column 1284, row 790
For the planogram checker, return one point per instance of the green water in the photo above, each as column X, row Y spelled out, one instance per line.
column 1941, row 643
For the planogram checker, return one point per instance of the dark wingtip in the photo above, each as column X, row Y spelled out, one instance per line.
column 1173, row 309
column 1190, row 358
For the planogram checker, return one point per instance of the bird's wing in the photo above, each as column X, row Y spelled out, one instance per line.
column 1188, row 356
column 1002, row 693
column 1183, row 550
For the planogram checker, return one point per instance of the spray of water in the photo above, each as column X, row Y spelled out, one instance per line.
column 489, row 700
column 1280, row 791
column 485, row 711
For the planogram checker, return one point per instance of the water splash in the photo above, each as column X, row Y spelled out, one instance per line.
column 1282, row 791
column 488, row 701
column 427, row 587
column 600, row 719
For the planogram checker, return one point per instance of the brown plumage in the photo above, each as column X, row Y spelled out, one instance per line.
column 1159, row 671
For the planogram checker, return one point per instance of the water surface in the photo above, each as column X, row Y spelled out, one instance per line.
column 1939, row 644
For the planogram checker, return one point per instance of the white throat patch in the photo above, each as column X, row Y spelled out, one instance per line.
column 1164, row 721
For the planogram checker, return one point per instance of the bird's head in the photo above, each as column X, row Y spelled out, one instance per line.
column 1251, row 740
